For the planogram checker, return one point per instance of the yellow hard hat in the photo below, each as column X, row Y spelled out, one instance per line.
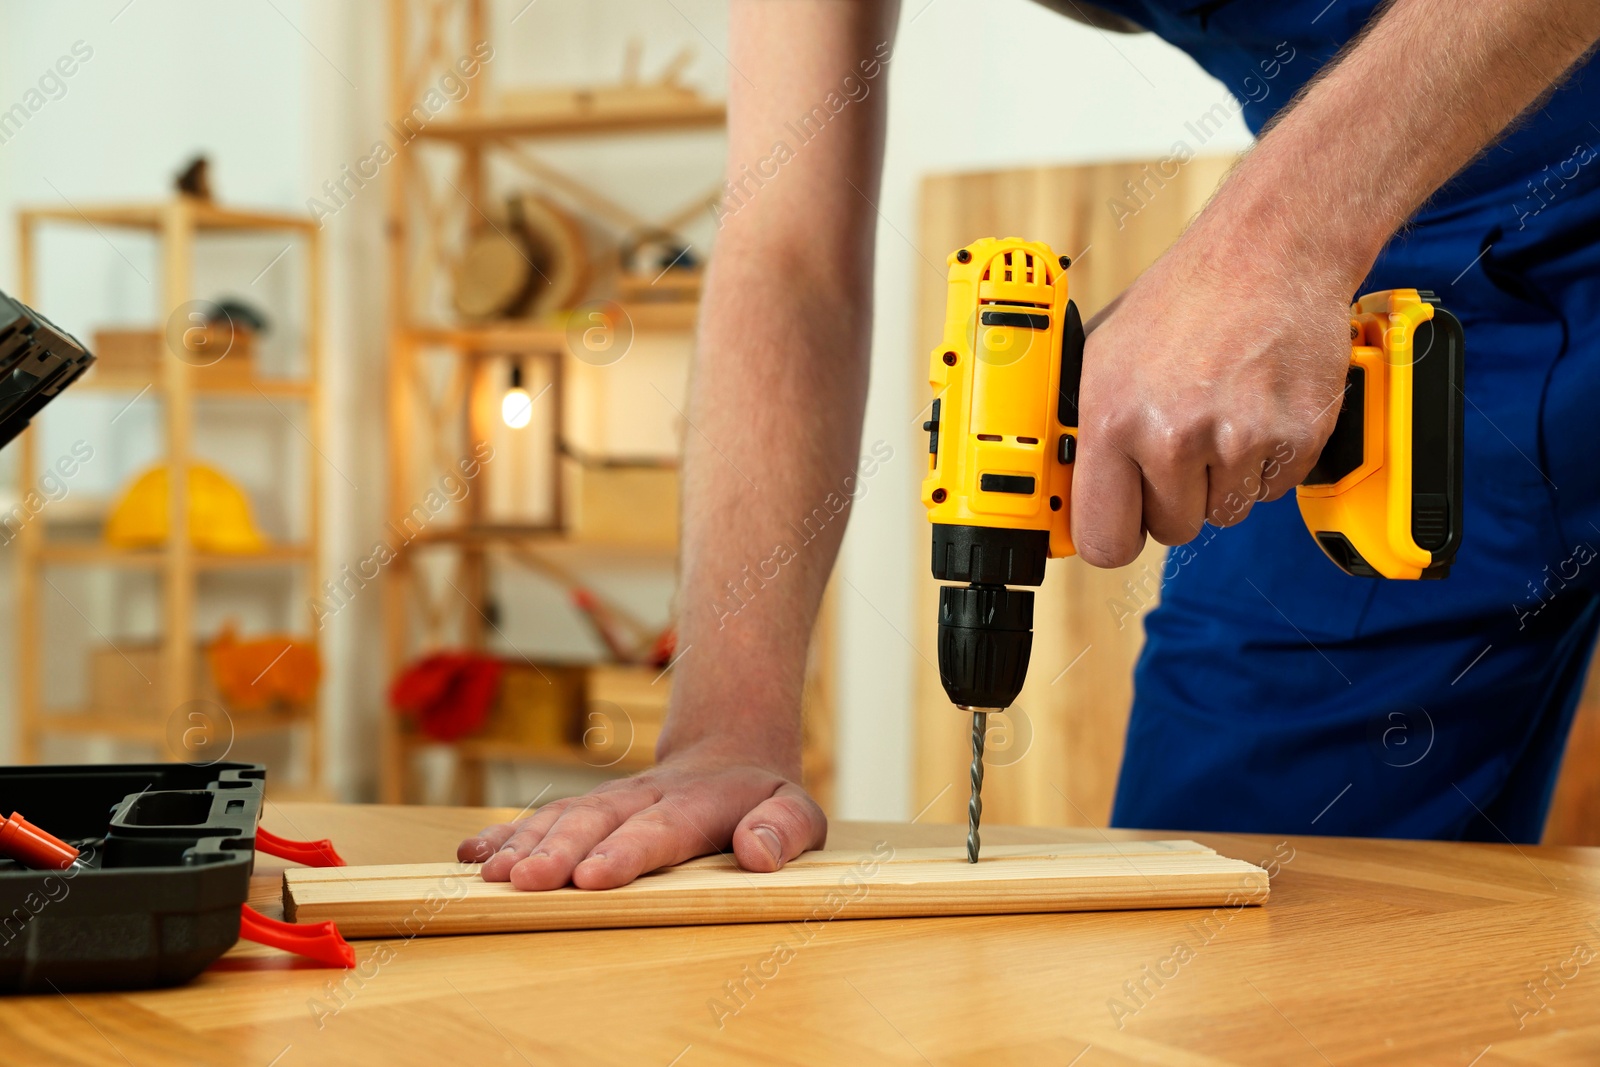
column 219, row 513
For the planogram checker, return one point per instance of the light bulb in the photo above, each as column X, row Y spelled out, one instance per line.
column 516, row 407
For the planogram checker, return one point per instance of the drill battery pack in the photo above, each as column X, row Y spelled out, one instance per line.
column 1384, row 499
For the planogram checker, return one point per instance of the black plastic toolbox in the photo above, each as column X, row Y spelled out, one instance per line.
column 166, row 855
column 37, row 361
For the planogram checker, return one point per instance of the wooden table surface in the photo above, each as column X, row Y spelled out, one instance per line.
column 1369, row 952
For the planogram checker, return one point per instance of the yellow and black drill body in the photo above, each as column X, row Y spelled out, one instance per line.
column 1384, row 498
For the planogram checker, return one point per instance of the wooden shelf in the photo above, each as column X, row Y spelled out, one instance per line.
column 674, row 315
column 84, row 723
column 486, row 534
column 175, row 224
column 151, row 216
column 596, row 122
column 272, row 388
column 549, row 543
column 515, row 752
column 98, row 554
column 492, row 337
column 593, row 461
column 667, row 316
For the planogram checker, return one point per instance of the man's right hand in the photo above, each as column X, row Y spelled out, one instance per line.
column 687, row 806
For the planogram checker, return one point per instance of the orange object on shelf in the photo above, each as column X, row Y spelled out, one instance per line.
column 264, row 671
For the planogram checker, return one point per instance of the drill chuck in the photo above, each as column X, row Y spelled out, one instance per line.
column 986, row 629
column 985, row 637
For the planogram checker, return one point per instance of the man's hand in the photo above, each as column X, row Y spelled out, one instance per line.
column 1209, row 385
column 688, row 806
column 1221, row 368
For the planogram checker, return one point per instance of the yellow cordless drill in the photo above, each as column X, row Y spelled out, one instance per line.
column 1384, row 498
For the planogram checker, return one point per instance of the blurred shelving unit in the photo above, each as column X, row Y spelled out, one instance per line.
column 181, row 387
column 447, row 182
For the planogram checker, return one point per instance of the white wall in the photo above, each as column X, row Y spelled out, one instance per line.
column 281, row 95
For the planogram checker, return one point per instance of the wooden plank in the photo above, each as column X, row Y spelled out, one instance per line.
column 451, row 898
column 823, row 858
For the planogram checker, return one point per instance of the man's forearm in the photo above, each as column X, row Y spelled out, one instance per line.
column 1413, row 101
column 780, row 379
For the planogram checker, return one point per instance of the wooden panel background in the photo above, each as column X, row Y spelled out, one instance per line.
column 1056, row 763
column 1575, row 810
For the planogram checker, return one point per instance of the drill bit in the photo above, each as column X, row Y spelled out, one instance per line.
column 980, row 721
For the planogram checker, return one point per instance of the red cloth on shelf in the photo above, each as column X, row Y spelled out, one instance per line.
column 447, row 694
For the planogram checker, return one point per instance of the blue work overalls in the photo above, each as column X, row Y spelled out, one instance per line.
column 1277, row 694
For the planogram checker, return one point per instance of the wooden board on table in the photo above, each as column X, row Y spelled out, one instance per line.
column 450, row 898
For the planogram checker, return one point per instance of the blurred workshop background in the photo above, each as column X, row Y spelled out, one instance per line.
column 408, row 289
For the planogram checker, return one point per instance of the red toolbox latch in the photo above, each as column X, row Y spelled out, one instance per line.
column 317, row 941
column 310, row 853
